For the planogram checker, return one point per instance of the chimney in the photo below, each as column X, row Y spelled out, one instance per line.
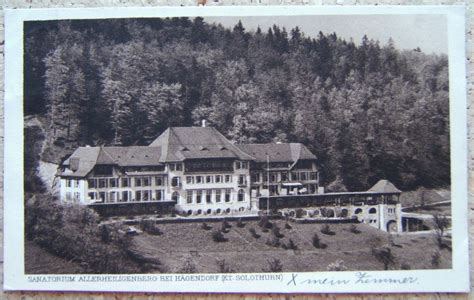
column 203, row 123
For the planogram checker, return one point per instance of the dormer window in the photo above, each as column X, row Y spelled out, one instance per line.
column 203, row 148
column 241, row 165
column 223, row 148
column 184, row 149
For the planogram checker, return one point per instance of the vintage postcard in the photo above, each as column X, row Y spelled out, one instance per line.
column 236, row 149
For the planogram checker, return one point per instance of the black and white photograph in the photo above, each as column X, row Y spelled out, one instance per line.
column 193, row 146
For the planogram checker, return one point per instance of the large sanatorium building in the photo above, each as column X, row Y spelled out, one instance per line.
column 197, row 171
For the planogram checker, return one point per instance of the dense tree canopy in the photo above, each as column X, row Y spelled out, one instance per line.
column 367, row 111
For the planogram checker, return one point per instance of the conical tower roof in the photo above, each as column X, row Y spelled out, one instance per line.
column 384, row 186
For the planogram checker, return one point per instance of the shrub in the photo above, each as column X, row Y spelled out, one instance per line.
column 223, row 266
column 354, row 229
column 72, row 232
column 436, row 259
column 149, row 226
column 274, row 265
column 405, row 266
column 240, row 224
column 317, row 242
column 226, row 224
column 188, row 267
column 299, row 213
column 440, row 224
column 205, row 226
column 273, row 241
column 291, row 245
column 327, row 230
column 385, row 256
column 265, row 223
column 218, row 237
column 337, row 266
column 254, row 233
column 276, row 232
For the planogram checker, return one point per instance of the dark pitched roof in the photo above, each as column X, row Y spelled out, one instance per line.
column 85, row 158
column 180, row 143
column 384, row 186
column 284, row 152
column 134, row 155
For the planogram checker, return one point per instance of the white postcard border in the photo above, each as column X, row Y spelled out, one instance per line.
column 454, row 280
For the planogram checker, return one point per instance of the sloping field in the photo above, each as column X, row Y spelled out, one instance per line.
column 189, row 243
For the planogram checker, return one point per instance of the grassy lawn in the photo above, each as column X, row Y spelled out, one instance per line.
column 242, row 252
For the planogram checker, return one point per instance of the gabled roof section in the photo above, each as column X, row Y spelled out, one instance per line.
column 384, row 186
column 180, row 143
column 86, row 158
column 104, row 158
column 284, row 152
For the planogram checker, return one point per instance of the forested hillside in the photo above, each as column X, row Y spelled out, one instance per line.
column 368, row 110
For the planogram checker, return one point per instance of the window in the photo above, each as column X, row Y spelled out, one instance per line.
column 208, row 196
column 68, row 196
column 125, row 196
column 146, row 181
column 76, row 183
column 92, row 183
column 218, row 195
column 138, row 181
column 198, row 196
column 138, row 196
column 198, row 179
column 273, row 177
column 189, row 196
column 228, row 193
column 112, row 196
column 102, row 196
column 255, row 177
column 189, row 179
column 313, row 175
column 146, row 195
column 175, row 196
column 68, row 183
column 208, row 179
column 241, row 195
column 303, row 176
column 218, row 178
column 159, row 181
column 102, row 183
column 241, row 165
column 265, row 177
column 125, row 182
column 159, row 195
column 179, row 167
column 372, row 211
column 294, row 176
column 175, row 182
column 103, row 170
column 92, row 195
column 77, row 196
column 172, row 167
column 242, row 180
column 284, row 176
column 113, row 182
column 228, row 178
